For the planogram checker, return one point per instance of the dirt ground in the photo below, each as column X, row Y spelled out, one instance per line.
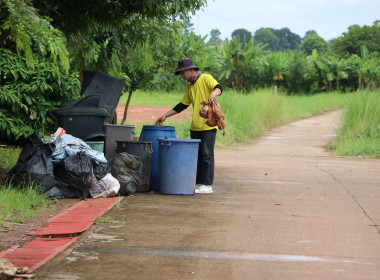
column 13, row 234
column 148, row 114
column 16, row 233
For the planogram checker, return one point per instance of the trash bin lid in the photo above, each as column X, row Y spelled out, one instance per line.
column 179, row 140
column 81, row 111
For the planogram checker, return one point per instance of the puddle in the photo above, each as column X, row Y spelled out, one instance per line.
column 336, row 165
column 103, row 237
column 116, row 227
column 75, row 256
column 206, row 254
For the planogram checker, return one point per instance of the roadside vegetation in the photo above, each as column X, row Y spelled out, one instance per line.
column 248, row 116
column 360, row 131
column 17, row 204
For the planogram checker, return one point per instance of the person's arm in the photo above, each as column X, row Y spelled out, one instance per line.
column 161, row 119
column 177, row 109
column 217, row 91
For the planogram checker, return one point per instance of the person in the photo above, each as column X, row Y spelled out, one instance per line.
column 200, row 87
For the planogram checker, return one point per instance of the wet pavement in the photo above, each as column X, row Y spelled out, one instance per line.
column 283, row 208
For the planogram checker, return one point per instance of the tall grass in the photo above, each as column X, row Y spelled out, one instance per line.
column 360, row 132
column 248, row 116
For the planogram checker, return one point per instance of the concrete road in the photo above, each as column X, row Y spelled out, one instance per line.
column 283, row 208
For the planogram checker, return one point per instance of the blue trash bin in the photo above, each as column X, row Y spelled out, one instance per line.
column 178, row 160
column 152, row 133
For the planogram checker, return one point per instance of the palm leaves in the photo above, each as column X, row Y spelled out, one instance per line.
column 239, row 62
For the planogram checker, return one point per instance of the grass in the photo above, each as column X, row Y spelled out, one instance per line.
column 105, row 220
column 19, row 204
column 156, row 98
column 8, row 157
column 360, row 132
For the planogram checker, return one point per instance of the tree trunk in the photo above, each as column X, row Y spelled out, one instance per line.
column 337, row 82
column 81, row 69
column 126, row 106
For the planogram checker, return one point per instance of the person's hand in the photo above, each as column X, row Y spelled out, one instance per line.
column 212, row 99
column 160, row 121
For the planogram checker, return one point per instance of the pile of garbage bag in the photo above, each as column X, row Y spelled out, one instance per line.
column 68, row 167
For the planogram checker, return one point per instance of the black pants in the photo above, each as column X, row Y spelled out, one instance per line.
column 206, row 162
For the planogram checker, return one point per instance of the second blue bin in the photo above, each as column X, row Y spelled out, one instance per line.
column 178, row 160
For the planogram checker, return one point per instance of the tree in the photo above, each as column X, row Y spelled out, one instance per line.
column 310, row 32
column 356, row 37
column 238, row 63
column 242, row 35
column 34, row 71
column 266, row 37
column 187, row 27
column 278, row 39
column 288, row 39
column 367, row 69
column 280, row 64
column 313, row 42
column 337, row 69
column 100, row 33
column 30, row 35
column 214, row 37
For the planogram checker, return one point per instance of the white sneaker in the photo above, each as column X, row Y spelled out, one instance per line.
column 203, row 189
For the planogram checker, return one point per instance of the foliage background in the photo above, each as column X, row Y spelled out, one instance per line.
column 45, row 45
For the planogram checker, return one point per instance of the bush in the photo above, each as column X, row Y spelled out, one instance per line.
column 26, row 94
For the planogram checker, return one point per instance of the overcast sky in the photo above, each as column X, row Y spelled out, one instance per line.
column 330, row 18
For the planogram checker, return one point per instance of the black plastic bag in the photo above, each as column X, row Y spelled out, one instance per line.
column 74, row 175
column 126, row 169
column 55, row 193
column 34, row 165
column 101, row 169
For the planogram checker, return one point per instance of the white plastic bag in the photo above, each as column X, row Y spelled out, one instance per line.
column 108, row 186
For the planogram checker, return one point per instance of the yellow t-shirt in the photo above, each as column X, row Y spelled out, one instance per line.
column 195, row 93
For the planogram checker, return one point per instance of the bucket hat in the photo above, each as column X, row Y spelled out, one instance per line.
column 185, row 64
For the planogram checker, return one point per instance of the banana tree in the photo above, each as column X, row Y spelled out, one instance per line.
column 325, row 74
column 367, row 68
column 195, row 47
column 238, row 62
column 337, row 68
column 281, row 64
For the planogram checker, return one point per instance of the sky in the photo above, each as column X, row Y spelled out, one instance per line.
column 329, row 18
